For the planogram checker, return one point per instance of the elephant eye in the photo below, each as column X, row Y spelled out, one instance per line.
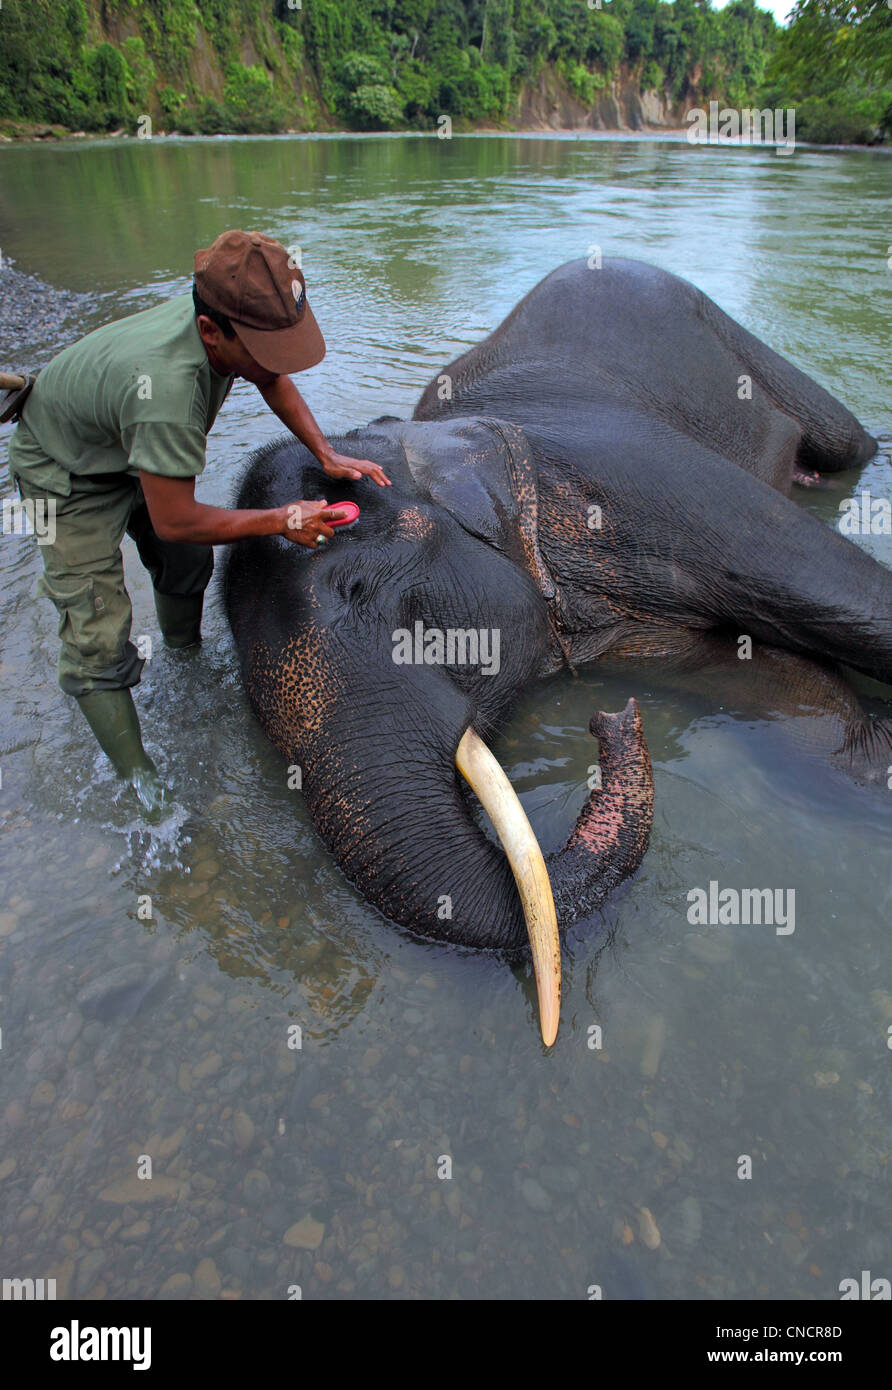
column 350, row 590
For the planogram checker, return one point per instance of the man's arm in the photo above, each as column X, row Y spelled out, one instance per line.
column 177, row 516
column 284, row 399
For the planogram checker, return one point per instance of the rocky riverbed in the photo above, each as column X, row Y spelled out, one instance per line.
column 37, row 319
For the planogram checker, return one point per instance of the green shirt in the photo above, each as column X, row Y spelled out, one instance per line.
column 138, row 394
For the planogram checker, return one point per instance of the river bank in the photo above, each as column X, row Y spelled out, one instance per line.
column 28, row 132
column 37, row 319
column 564, row 121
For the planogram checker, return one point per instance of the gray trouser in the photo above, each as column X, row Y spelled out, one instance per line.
column 84, row 576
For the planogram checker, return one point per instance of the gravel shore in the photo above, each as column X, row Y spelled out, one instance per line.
column 36, row 319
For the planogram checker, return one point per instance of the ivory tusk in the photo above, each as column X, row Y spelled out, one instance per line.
column 498, row 798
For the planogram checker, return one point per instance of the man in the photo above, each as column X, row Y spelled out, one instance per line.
column 113, row 436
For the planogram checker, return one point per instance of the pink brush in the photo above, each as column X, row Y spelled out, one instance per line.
column 348, row 513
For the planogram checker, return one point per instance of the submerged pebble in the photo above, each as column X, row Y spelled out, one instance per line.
column 120, row 993
column 648, row 1230
column 534, row 1195
column 137, row 1190
column 206, row 1280
column 243, row 1130
column 305, row 1234
column 176, row 1286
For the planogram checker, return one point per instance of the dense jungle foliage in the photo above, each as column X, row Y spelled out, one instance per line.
column 266, row 65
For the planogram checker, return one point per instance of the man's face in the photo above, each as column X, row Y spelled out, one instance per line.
column 229, row 356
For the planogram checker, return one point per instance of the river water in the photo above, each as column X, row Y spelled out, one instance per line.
column 420, row 1143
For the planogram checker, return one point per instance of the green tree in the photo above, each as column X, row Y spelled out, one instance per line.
column 834, row 66
column 249, row 100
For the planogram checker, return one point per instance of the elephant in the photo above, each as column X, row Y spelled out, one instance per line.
column 607, row 475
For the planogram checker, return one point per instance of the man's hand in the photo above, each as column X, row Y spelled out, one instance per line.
column 283, row 397
column 343, row 466
column 306, row 522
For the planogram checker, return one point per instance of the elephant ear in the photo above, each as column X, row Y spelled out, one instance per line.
column 483, row 473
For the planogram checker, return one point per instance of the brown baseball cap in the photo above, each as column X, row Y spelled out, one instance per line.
column 247, row 277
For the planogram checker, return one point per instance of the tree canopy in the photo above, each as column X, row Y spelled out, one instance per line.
column 401, row 64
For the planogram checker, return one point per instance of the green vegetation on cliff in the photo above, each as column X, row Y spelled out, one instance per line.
column 258, row 65
column 245, row 65
column 834, row 65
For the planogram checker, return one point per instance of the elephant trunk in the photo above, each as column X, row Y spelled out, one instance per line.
column 610, row 837
column 387, row 801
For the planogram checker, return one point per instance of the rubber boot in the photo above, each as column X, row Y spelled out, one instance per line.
column 111, row 714
column 179, row 618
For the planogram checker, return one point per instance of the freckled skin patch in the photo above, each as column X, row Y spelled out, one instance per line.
column 294, row 691
column 413, row 525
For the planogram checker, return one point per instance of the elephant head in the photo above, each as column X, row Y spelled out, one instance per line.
column 383, row 663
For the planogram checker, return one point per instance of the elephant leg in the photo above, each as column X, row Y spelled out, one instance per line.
column 832, row 438
column 786, row 578
column 731, row 554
